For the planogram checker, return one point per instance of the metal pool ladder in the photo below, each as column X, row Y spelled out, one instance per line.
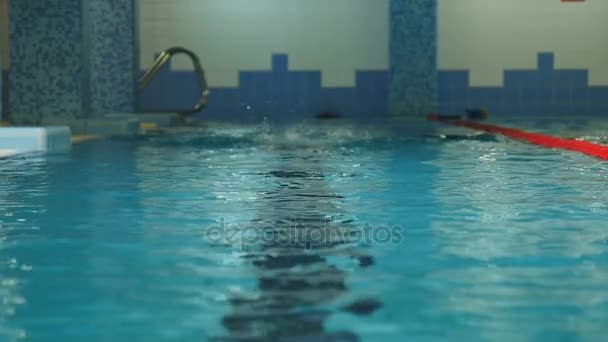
column 165, row 57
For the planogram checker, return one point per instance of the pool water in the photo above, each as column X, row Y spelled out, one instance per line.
column 303, row 234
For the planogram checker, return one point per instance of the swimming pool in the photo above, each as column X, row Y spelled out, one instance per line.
column 303, row 233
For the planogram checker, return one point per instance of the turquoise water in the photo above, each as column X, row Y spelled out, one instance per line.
column 303, row 235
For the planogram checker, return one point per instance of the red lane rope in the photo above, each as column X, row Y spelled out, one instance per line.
column 585, row 147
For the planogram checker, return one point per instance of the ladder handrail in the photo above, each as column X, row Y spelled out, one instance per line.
column 165, row 57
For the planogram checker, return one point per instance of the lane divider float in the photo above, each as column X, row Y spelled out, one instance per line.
column 548, row 141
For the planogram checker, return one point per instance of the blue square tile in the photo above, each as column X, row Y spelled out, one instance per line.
column 572, row 78
column 510, row 107
column 365, row 80
column 581, row 108
column 542, row 109
column 598, row 94
column 551, row 108
column 495, row 94
column 580, row 95
column 280, row 63
column 494, row 108
column 546, row 61
column 548, row 79
column 521, row 79
column 532, row 109
column 444, row 79
column 531, row 96
column 477, row 96
column 563, row 95
column 444, row 107
column 564, row 109
column 453, row 79
column 246, row 79
column 499, row 110
column 546, row 95
column 512, row 95
column 459, row 95
column 444, row 95
column 457, row 109
column 306, row 82
column 598, row 108
column 486, row 95
column 449, row 97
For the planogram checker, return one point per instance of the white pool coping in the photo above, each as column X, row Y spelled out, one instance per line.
column 18, row 140
column 6, row 153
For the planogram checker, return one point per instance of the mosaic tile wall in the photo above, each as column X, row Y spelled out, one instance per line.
column 278, row 95
column 71, row 58
column 112, row 55
column 545, row 91
column 4, row 59
column 2, row 72
column 4, row 111
column 45, row 50
column 413, row 52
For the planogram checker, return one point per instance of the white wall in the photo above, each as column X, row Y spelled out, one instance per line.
column 489, row 36
column 337, row 37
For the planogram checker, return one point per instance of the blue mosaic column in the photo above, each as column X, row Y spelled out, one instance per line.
column 71, row 58
column 4, row 114
column 111, row 35
column 413, row 55
column 45, row 51
column 1, row 65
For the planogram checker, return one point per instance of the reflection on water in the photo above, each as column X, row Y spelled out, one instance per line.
column 530, row 225
column 23, row 185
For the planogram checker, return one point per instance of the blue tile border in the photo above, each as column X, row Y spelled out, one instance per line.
column 278, row 95
column 545, row 91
